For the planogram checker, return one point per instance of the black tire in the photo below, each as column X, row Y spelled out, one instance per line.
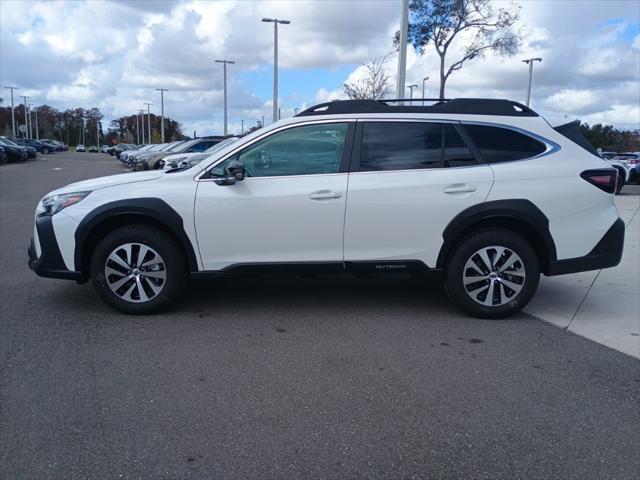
column 174, row 264
column 464, row 252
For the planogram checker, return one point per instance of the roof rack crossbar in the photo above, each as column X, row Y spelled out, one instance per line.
column 470, row 106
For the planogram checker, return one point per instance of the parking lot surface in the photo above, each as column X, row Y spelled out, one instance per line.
column 284, row 377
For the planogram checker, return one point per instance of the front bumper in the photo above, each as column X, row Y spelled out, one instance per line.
column 50, row 263
column 607, row 253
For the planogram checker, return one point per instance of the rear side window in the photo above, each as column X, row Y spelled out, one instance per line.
column 503, row 145
column 412, row 145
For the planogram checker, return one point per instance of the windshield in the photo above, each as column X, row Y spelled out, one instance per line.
column 6, row 141
column 173, row 147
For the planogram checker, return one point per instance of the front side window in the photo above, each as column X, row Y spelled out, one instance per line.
column 400, row 146
column 498, row 145
column 307, row 150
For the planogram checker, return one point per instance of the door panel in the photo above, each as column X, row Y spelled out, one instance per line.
column 271, row 219
column 401, row 214
column 412, row 178
column 290, row 206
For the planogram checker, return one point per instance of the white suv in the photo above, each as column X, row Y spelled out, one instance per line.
column 484, row 192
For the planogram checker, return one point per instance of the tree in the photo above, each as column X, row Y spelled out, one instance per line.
column 476, row 22
column 375, row 86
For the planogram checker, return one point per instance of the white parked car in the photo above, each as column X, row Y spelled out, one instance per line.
column 80, row 148
column 182, row 160
column 483, row 192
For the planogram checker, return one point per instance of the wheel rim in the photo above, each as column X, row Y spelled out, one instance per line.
column 494, row 276
column 135, row 272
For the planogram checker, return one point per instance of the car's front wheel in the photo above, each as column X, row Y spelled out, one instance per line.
column 45, row 150
column 138, row 269
column 492, row 274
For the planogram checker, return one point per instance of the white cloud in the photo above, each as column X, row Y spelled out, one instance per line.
column 113, row 55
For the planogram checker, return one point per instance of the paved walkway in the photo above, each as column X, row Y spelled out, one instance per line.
column 604, row 305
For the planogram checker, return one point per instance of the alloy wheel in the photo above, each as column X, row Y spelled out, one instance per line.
column 135, row 272
column 493, row 276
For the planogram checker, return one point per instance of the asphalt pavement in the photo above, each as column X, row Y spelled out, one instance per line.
column 291, row 378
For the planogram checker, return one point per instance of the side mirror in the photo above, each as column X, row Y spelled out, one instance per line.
column 234, row 171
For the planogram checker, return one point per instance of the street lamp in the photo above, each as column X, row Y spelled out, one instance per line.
column 530, row 61
column 30, row 121
column 141, row 113
column 224, row 69
column 37, row 129
column 149, row 119
column 275, row 22
column 162, row 90
column 424, row 80
column 411, row 87
column 13, row 119
column 138, row 128
column 26, row 118
column 402, row 54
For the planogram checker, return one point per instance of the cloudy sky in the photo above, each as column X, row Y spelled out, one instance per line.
column 113, row 54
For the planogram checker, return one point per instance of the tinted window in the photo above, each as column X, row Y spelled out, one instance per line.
column 503, row 145
column 313, row 149
column 202, row 146
column 456, row 152
column 400, row 146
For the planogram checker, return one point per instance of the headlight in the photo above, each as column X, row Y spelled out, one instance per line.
column 52, row 205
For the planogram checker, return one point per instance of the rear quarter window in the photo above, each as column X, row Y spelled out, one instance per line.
column 497, row 144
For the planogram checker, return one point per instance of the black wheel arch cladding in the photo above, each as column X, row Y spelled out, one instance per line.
column 154, row 209
column 494, row 212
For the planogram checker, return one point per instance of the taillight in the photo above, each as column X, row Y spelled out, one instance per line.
column 604, row 179
column 633, row 161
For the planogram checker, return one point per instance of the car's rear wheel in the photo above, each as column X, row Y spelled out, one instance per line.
column 45, row 150
column 492, row 274
column 138, row 269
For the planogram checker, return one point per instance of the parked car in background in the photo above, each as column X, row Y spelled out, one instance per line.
column 15, row 153
column 624, row 170
column 607, row 155
column 55, row 147
column 197, row 145
column 136, row 159
column 3, row 155
column 633, row 160
column 93, row 149
column 31, row 152
column 104, row 148
column 80, row 148
column 30, row 142
column 63, row 146
column 188, row 160
column 122, row 147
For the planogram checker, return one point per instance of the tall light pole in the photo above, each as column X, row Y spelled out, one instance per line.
column 275, row 22
column 263, row 120
column 13, row 118
column 424, row 80
column 138, row 128
column 224, row 70
column 37, row 129
column 141, row 113
column 242, row 127
column 402, row 56
column 26, row 119
column 149, row 120
column 162, row 90
column 411, row 87
column 530, row 61
column 30, row 121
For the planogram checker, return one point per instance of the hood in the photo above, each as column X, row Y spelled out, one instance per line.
column 111, row 180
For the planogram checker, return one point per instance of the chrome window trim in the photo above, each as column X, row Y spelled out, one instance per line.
column 289, row 126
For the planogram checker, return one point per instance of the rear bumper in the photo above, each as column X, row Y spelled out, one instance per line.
column 607, row 253
column 50, row 263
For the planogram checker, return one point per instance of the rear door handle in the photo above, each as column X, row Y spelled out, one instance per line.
column 460, row 188
column 324, row 194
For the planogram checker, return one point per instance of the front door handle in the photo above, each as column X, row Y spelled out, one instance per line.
column 460, row 188
column 324, row 194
